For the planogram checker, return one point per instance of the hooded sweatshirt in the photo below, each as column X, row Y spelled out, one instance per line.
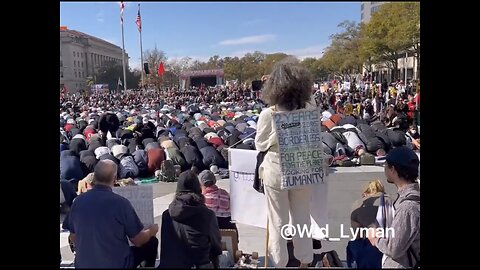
column 70, row 167
column 189, row 219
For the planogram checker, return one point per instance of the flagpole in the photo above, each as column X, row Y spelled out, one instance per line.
column 141, row 48
column 123, row 54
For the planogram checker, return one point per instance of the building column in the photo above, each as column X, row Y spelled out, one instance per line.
column 414, row 68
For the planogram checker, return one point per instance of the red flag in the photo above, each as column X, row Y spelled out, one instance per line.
column 122, row 6
column 161, row 69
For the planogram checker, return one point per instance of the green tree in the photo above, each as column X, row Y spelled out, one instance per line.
column 251, row 66
column 174, row 69
column 269, row 61
column 365, row 52
column 316, row 68
column 215, row 62
column 153, row 58
column 111, row 72
column 233, row 69
column 392, row 30
column 343, row 56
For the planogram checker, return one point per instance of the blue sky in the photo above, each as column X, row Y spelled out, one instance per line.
column 204, row 29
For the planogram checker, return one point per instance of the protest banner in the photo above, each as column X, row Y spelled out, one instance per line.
column 249, row 207
column 141, row 198
column 300, row 147
column 246, row 204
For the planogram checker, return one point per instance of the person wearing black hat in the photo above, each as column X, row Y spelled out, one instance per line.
column 190, row 233
column 401, row 249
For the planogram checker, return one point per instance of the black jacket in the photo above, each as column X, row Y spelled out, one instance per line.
column 193, row 157
column 190, row 233
column 212, row 157
column 87, row 161
column 77, row 145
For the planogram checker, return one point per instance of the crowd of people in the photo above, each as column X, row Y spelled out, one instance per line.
column 184, row 136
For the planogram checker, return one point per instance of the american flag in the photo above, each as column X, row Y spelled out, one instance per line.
column 122, row 6
column 139, row 20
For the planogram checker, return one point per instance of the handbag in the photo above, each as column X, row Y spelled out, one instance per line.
column 257, row 182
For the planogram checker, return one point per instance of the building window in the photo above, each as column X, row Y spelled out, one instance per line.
column 73, row 54
column 374, row 9
column 75, row 74
column 81, row 55
column 74, row 63
column 361, row 7
column 83, row 74
column 78, row 54
column 82, row 64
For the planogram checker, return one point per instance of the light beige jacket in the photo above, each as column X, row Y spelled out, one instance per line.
column 266, row 139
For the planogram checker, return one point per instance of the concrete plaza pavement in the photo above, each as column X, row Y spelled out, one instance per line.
column 345, row 186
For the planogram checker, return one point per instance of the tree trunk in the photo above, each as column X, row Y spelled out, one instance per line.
column 395, row 70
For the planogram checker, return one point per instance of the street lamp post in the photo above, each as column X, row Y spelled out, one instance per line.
column 406, row 61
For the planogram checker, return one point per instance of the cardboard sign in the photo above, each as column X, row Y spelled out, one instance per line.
column 141, row 198
column 301, row 147
column 250, row 207
column 243, row 198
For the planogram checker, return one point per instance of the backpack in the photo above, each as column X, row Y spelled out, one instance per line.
column 410, row 252
column 367, row 159
column 257, row 182
column 167, row 171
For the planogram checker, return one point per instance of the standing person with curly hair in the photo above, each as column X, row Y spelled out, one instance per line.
column 287, row 88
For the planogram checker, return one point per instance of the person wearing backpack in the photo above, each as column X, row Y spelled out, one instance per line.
column 402, row 249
